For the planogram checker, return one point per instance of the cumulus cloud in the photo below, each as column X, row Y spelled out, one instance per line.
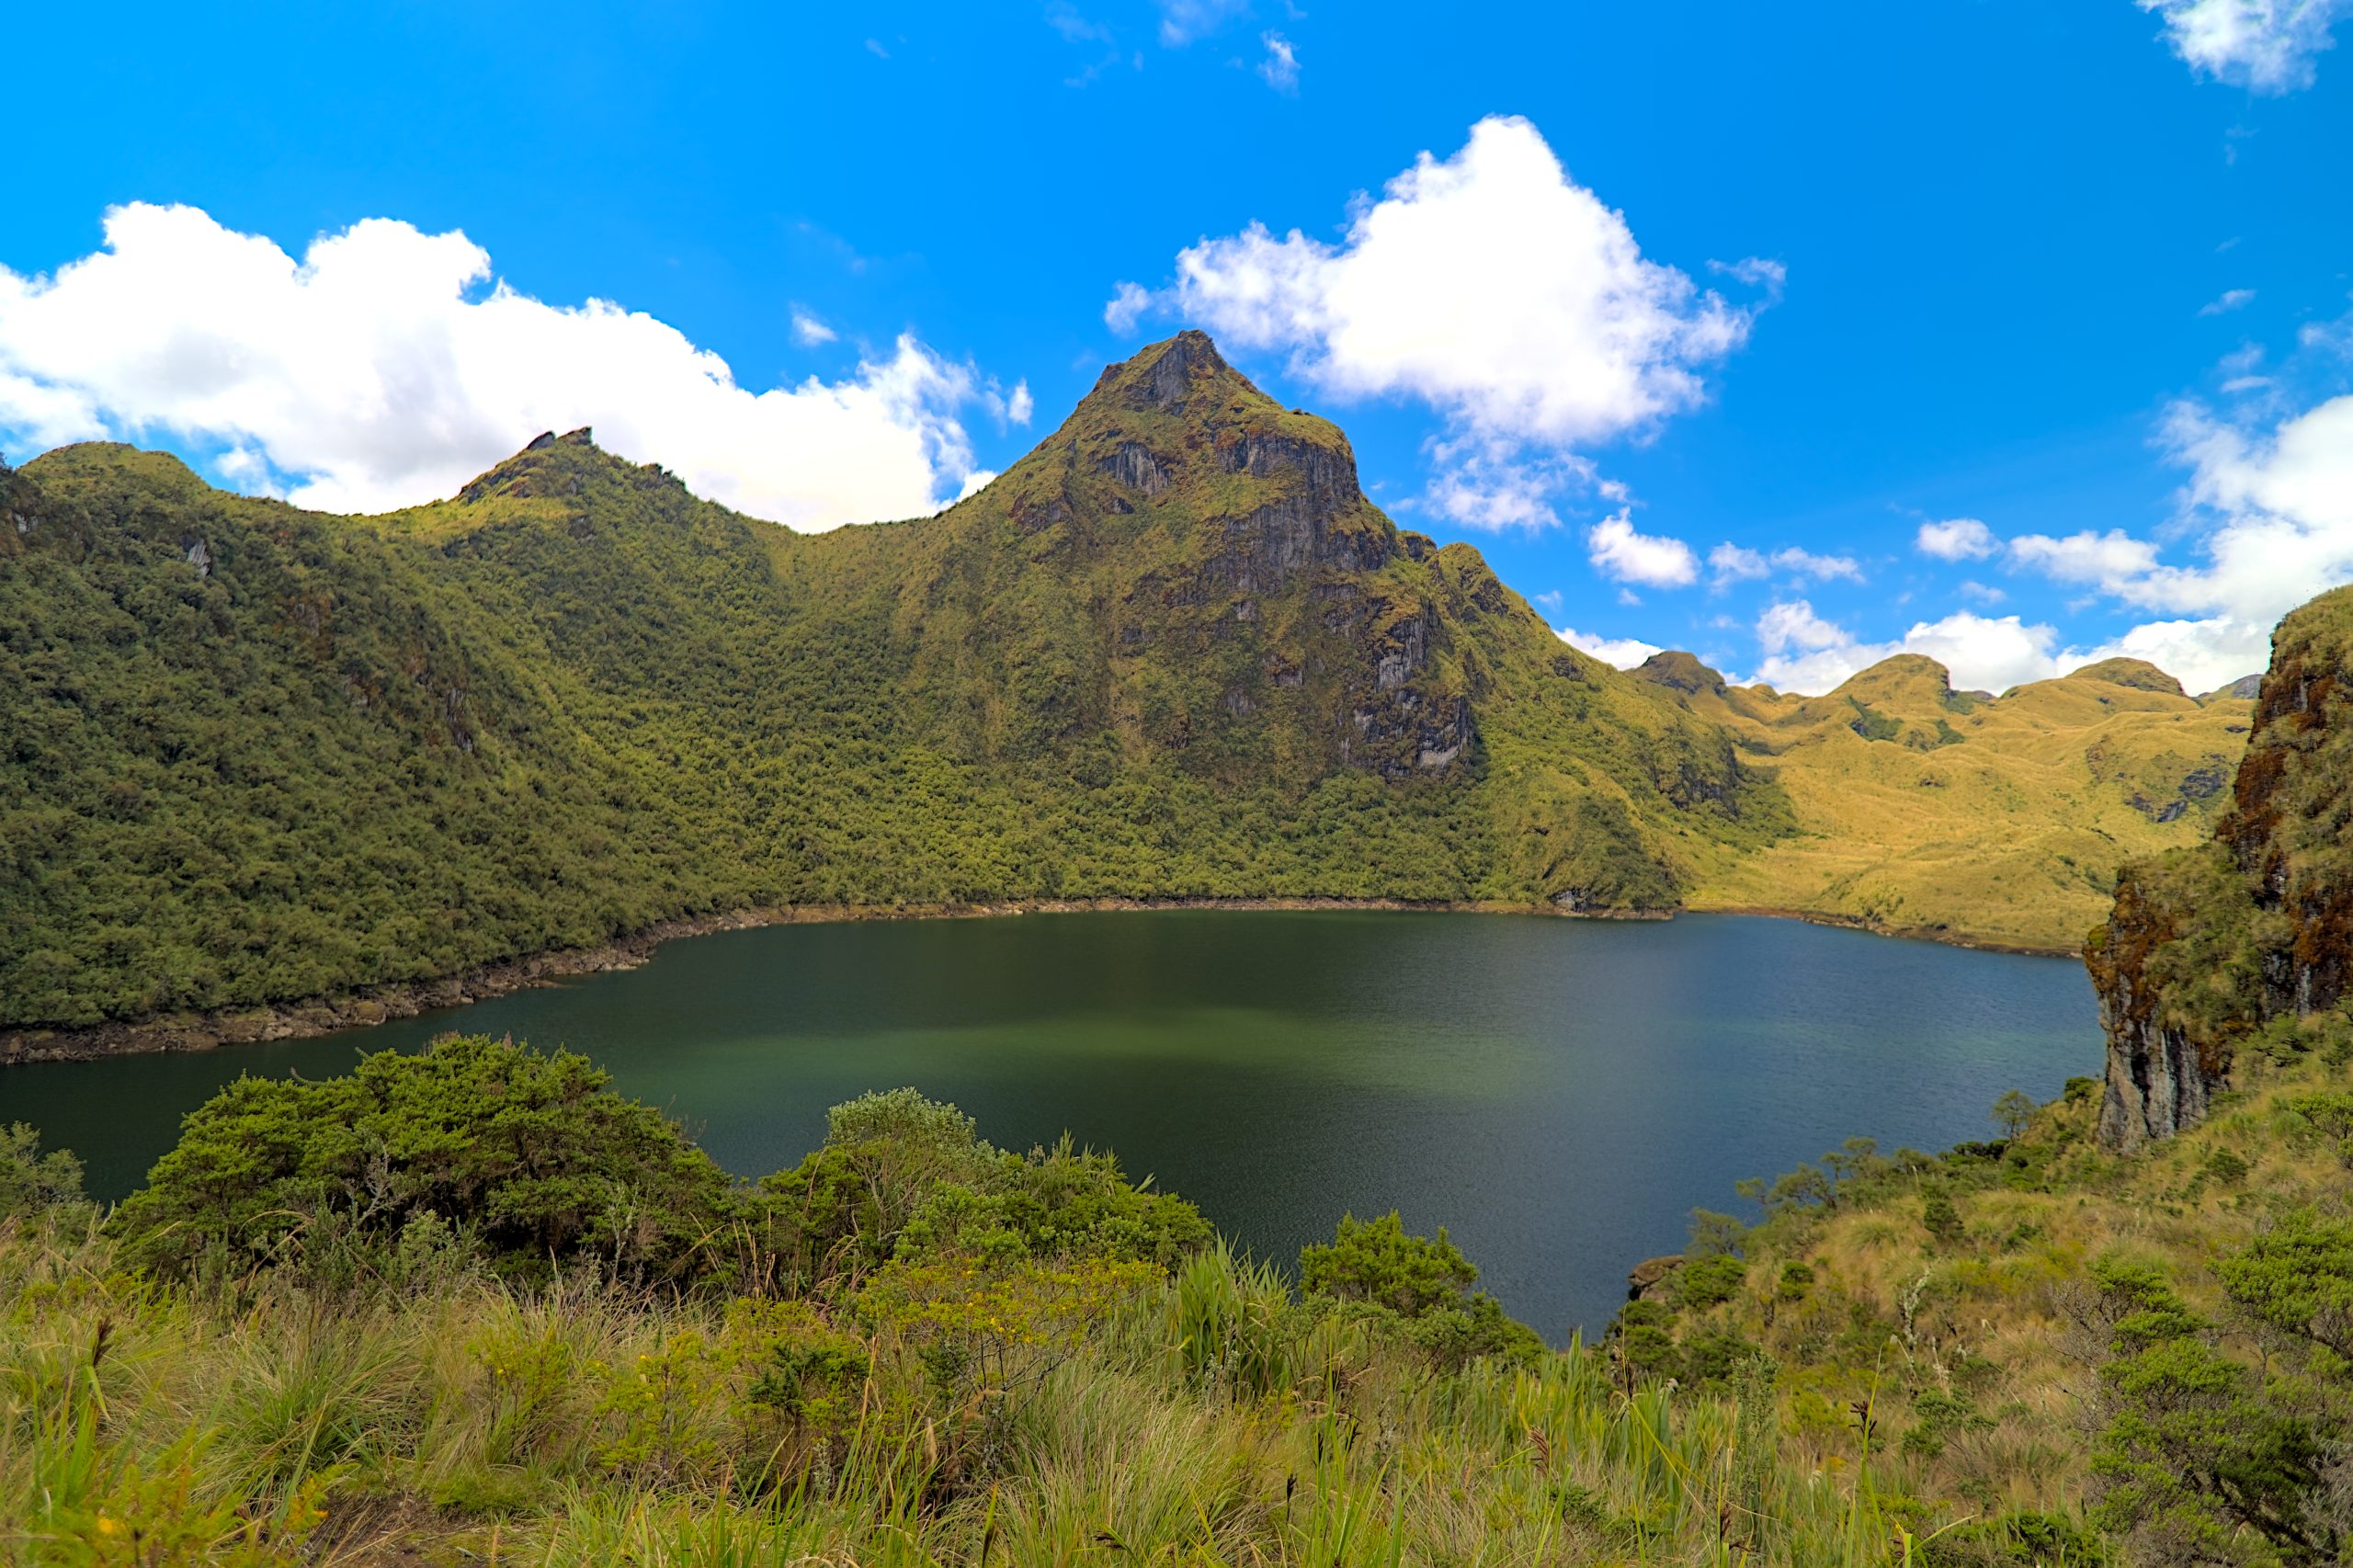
column 1280, row 68
column 1624, row 653
column 1656, row 561
column 2267, row 46
column 388, row 366
column 1956, row 538
column 2228, row 300
column 1808, row 653
column 2112, row 562
column 2269, row 507
column 809, row 331
column 1488, row 285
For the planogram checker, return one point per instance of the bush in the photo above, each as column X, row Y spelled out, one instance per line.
column 1707, row 1281
column 529, row 1156
column 1425, row 1282
column 32, row 1183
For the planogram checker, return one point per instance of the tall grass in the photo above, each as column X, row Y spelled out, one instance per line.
column 1207, row 1420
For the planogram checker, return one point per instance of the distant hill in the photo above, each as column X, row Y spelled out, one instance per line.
column 1931, row 811
column 251, row 754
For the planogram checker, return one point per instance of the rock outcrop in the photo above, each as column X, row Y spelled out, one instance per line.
column 2207, row 945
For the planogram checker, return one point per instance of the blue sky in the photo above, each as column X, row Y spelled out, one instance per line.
column 2010, row 331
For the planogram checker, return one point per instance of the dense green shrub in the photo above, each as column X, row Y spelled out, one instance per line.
column 532, row 1157
column 32, row 1183
column 1424, row 1281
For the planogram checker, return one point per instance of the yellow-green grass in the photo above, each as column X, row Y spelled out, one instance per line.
column 1996, row 821
column 2001, row 1312
column 455, row 1420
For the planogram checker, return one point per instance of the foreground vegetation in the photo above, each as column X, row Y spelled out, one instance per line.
column 2158, row 1340
column 472, row 1305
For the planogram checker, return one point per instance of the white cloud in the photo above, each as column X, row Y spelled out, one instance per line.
column 2204, row 655
column 1807, row 654
column 2267, row 46
column 387, row 366
column 1821, row 568
column 1182, row 21
column 1655, row 561
column 2228, row 300
column 1983, row 593
column 2110, row 560
column 1987, row 653
column 809, row 332
column 1624, row 653
column 1280, row 68
column 1128, row 305
column 1956, row 538
column 1730, row 562
column 1490, row 286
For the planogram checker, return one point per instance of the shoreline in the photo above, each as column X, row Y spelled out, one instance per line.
column 1896, row 933
column 317, row 1016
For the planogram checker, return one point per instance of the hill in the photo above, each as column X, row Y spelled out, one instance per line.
column 1923, row 811
column 254, row 754
column 2235, row 953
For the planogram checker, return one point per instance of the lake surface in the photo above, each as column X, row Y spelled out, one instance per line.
column 1558, row 1093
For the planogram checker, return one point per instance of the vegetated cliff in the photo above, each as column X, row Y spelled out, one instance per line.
column 1923, row 811
column 250, row 753
column 2238, row 943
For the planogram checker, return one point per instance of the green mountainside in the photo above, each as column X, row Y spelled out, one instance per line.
column 252, row 754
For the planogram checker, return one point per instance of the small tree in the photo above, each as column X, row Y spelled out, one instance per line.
column 2012, row 1112
column 1375, row 1261
column 1942, row 1217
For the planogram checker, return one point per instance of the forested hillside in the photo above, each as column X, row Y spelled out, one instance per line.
column 250, row 753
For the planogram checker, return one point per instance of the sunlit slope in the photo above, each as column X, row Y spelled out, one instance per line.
column 1931, row 811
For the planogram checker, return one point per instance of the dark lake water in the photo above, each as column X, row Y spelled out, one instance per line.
column 1558, row 1093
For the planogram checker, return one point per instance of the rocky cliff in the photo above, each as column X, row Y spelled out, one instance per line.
column 2232, row 943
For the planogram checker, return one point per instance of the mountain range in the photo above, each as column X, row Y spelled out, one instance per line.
column 254, row 754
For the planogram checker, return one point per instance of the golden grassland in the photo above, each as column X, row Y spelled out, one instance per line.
column 1928, row 812
column 1977, row 1344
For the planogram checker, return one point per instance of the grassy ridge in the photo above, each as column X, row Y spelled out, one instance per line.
column 1933, row 812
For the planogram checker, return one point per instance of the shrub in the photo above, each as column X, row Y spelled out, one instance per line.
column 532, row 1155
column 32, row 1183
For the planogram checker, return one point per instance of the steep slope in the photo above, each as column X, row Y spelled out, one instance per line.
column 2232, row 949
column 1929, row 812
column 254, row 754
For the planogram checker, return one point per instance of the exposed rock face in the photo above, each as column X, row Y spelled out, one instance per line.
column 2247, row 688
column 1653, row 1278
column 2159, row 1079
column 2208, row 944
